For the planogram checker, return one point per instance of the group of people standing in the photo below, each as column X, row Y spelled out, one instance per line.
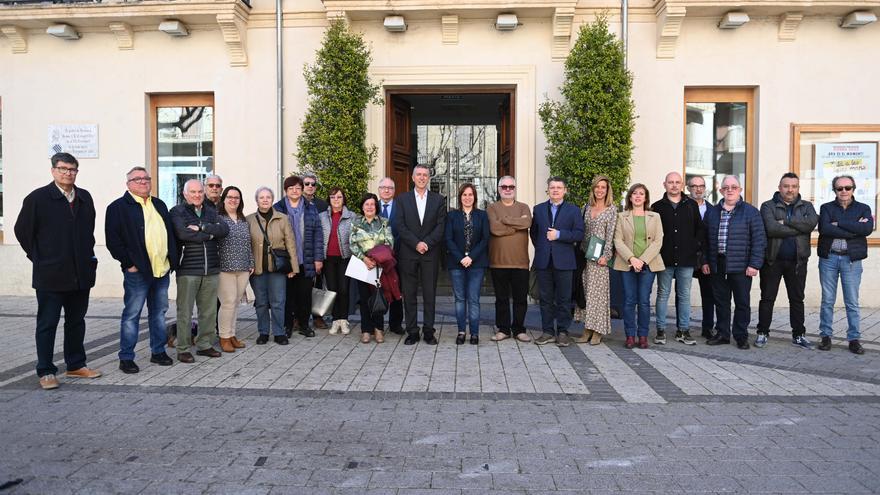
column 281, row 249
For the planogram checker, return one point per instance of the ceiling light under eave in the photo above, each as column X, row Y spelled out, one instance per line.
column 857, row 19
column 395, row 24
column 506, row 22
column 63, row 31
column 173, row 28
column 733, row 20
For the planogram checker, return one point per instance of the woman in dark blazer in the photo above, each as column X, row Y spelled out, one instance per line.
column 467, row 256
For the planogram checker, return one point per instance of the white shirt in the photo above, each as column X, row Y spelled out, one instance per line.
column 421, row 204
column 69, row 195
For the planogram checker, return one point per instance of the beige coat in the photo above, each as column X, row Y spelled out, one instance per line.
column 280, row 237
column 624, row 233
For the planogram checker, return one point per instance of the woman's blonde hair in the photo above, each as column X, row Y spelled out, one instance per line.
column 609, row 196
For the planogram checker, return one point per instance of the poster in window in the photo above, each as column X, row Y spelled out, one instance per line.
column 858, row 160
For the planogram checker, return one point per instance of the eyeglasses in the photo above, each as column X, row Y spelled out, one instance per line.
column 140, row 180
column 67, row 171
column 387, row 187
column 309, row 184
column 507, row 188
column 215, row 186
column 698, row 186
column 730, row 188
column 237, row 198
column 844, row 188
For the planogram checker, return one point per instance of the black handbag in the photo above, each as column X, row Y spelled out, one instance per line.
column 280, row 257
column 377, row 304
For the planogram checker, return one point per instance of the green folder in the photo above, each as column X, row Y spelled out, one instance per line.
column 595, row 248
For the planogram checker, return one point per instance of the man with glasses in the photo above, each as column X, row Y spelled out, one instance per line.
column 56, row 229
column 736, row 243
column 509, row 222
column 697, row 188
column 386, row 210
column 141, row 237
column 844, row 226
column 213, row 190
column 789, row 221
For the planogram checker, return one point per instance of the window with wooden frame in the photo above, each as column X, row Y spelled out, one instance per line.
column 719, row 137
column 181, row 142
column 820, row 152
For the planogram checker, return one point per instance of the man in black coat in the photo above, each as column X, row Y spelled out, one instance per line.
column 140, row 236
column 198, row 228
column 419, row 220
column 56, row 228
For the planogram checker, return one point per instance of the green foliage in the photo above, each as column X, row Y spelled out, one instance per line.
column 332, row 142
column 590, row 131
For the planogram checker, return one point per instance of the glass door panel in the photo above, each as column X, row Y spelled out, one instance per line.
column 185, row 148
column 458, row 154
column 716, row 141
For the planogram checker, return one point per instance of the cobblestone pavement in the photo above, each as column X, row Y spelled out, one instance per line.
column 331, row 415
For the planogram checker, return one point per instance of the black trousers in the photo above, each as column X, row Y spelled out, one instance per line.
column 707, row 299
column 369, row 323
column 49, row 305
column 510, row 283
column 334, row 275
column 298, row 305
column 739, row 286
column 795, row 275
column 415, row 273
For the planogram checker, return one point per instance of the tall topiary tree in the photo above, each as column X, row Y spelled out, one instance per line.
column 589, row 132
column 332, row 143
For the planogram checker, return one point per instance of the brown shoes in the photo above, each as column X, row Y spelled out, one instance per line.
column 185, row 357
column 365, row 338
column 48, row 382
column 226, row 345
column 319, row 323
column 584, row 338
column 596, row 339
column 237, row 343
column 209, row 352
column 380, row 336
column 83, row 372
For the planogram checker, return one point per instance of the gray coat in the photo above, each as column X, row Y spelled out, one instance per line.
column 801, row 224
column 343, row 233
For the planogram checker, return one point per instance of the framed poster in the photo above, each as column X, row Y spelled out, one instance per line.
column 80, row 140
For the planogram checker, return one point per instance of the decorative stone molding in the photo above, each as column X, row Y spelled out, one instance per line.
column 338, row 15
column 669, row 20
column 449, row 24
column 234, row 32
column 563, row 18
column 788, row 25
column 124, row 35
column 17, row 37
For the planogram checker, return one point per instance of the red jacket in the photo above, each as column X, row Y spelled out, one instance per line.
column 384, row 257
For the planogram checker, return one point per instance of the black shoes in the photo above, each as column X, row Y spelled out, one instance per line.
column 707, row 333
column 743, row 344
column 411, row 339
column 716, row 340
column 262, row 339
column 855, row 347
column 475, row 340
column 397, row 330
column 459, row 340
column 306, row 332
column 281, row 340
column 430, row 339
column 825, row 345
column 161, row 359
column 209, row 352
column 185, row 357
column 128, row 366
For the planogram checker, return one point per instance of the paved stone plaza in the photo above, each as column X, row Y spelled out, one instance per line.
column 331, row 415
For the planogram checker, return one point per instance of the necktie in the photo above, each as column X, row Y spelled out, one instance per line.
column 384, row 210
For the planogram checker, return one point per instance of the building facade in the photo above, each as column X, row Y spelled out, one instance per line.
column 189, row 87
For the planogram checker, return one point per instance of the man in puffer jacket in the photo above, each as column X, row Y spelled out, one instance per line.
column 736, row 242
column 788, row 220
column 197, row 229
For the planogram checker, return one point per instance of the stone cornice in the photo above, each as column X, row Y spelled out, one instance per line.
column 17, row 37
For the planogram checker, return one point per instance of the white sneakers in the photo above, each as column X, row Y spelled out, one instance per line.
column 340, row 326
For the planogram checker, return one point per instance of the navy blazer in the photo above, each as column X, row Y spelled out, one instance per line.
column 479, row 252
column 411, row 231
column 124, row 230
column 570, row 224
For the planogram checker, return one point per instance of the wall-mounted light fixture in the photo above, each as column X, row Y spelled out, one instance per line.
column 63, row 31
column 395, row 24
column 506, row 22
column 857, row 19
column 173, row 28
column 733, row 20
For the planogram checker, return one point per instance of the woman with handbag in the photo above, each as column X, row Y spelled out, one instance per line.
column 600, row 219
column 638, row 238
column 467, row 257
column 367, row 232
column 336, row 226
column 275, row 262
column 236, row 265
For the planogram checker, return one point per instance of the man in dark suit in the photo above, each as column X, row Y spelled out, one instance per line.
column 419, row 221
column 56, row 228
column 140, row 236
column 556, row 227
column 386, row 210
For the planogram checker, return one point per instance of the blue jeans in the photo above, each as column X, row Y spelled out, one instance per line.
column 143, row 288
column 637, row 291
column 554, row 287
column 270, row 294
column 466, row 289
column 683, row 275
column 850, row 274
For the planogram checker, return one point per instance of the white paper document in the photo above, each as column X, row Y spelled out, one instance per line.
column 359, row 271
